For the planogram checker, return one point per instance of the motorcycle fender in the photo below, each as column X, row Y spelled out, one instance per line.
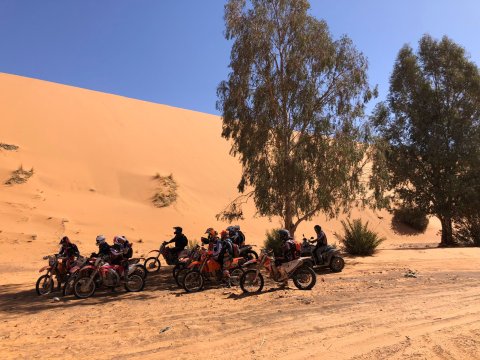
column 194, row 264
column 45, row 268
column 88, row 267
column 291, row 266
column 250, row 262
column 74, row 269
column 154, row 251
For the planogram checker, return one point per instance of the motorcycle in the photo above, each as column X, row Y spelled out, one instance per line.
column 78, row 269
column 181, row 268
column 330, row 257
column 302, row 275
column 153, row 264
column 55, row 267
column 209, row 269
column 101, row 273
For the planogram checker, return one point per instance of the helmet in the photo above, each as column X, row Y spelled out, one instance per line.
column 237, row 227
column 211, row 232
column 231, row 230
column 119, row 240
column 317, row 228
column 223, row 235
column 178, row 230
column 100, row 239
column 64, row 240
column 284, row 234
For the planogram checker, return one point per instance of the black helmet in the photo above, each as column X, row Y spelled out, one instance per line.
column 65, row 240
column 317, row 228
column 178, row 230
column 284, row 234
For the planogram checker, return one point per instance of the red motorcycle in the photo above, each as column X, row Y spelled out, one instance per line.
column 101, row 274
column 153, row 264
column 58, row 267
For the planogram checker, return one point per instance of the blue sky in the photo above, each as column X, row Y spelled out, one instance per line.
column 173, row 51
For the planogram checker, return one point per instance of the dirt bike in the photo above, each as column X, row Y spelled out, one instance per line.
column 101, row 273
column 181, row 268
column 74, row 270
column 153, row 264
column 209, row 269
column 302, row 275
column 45, row 283
column 330, row 257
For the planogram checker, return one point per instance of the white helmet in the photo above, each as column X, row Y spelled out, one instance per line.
column 100, row 239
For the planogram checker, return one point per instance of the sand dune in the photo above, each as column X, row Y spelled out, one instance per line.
column 94, row 157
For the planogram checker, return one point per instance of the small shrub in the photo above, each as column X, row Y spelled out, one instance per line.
column 8, row 147
column 19, row 176
column 166, row 191
column 192, row 244
column 414, row 218
column 273, row 241
column 358, row 239
column 467, row 230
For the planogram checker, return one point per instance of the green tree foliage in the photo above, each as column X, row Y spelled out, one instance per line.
column 273, row 241
column 291, row 106
column 429, row 146
column 359, row 239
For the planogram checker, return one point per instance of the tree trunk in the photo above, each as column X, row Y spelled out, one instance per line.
column 447, row 232
column 288, row 220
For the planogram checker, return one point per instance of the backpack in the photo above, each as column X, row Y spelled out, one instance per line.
column 231, row 248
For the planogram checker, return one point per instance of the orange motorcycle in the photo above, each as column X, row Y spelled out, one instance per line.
column 209, row 269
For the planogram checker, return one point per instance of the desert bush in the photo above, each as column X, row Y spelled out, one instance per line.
column 19, row 176
column 8, row 147
column 358, row 239
column 414, row 218
column 192, row 244
column 166, row 191
column 467, row 230
column 273, row 241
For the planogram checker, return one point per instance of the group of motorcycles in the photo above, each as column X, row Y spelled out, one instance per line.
column 191, row 269
column 84, row 276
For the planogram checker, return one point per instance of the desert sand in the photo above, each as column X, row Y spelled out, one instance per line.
column 95, row 156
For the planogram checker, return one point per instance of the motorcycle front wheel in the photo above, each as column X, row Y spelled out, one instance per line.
column 193, row 281
column 337, row 264
column 236, row 275
column 68, row 286
column 134, row 283
column 152, row 264
column 304, row 278
column 84, row 288
column 141, row 271
column 251, row 282
column 44, row 285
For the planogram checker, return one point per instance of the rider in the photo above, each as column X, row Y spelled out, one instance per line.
column 289, row 253
column 68, row 250
column 223, row 254
column 180, row 241
column 211, row 239
column 121, row 244
column 236, row 235
column 321, row 242
column 103, row 247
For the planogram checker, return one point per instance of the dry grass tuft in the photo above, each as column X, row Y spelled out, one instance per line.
column 8, row 147
column 166, row 192
column 19, row 176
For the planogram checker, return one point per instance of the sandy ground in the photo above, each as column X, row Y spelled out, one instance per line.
column 94, row 157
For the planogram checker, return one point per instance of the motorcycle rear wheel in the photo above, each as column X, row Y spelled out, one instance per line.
column 193, row 281
column 304, row 278
column 152, row 264
column 180, row 276
column 84, row 288
column 337, row 264
column 134, row 283
column 251, row 254
column 250, row 282
column 68, row 285
column 44, row 285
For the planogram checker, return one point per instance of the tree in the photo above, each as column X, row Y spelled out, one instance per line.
column 291, row 107
column 429, row 131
